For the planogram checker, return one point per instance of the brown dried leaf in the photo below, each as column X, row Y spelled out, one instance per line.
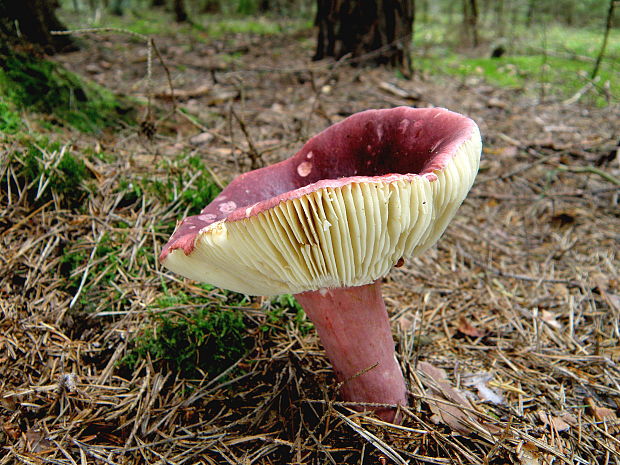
column 182, row 94
column 201, row 139
column 600, row 413
column 558, row 423
column 458, row 413
column 485, row 393
column 405, row 323
column 8, row 403
column 12, row 430
column 466, row 328
column 494, row 102
column 551, row 319
column 605, row 283
column 37, row 441
column 509, row 151
column 399, row 91
column 529, row 454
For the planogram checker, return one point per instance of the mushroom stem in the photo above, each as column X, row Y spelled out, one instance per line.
column 355, row 331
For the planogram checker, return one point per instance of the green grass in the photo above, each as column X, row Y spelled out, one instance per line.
column 284, row 310
column 47, row 170
column 217, row 27
column 205, row 27
column 580, row 41
column 517, row 71
column 560, row 58
column 187, row 182
column 110, row 259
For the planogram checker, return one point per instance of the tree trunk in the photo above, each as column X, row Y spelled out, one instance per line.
column 211, row 7
column 180, row 12
column 608, row 23
column 473, row 21
column 369, row 31
column 529, row 17
column 31, row 22
column 470, row 21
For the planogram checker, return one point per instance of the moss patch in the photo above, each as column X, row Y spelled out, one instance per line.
column 203, row 340
column 43, row 86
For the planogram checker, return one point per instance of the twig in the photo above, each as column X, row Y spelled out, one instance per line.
column 608, row 25
column 590, row 169
column 256, row 159
column 580, row 93
column 25, row 219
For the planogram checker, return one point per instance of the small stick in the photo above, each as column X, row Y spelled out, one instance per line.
column 256, row 159
column 590, row 169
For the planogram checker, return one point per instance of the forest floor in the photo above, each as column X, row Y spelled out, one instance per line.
column 508, row 331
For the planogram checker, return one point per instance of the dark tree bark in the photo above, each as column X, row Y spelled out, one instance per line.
column 180, row 12
column 370, row 31
column 211, row 6
column 470, row 21
column 473, row 21
column 608, row 24
column 529, row 17
column 31, row 22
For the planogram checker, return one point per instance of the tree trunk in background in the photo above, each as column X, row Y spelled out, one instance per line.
column 211, row 6
column 371, row 31
column 529, row 18
column 180, row 13
column 470, row 21
column 473, row 21
column 608, row 23
column 30, row 22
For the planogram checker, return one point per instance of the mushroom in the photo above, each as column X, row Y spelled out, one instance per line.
column 328, row 223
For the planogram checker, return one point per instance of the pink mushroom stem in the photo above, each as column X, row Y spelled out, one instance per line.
column 355, row 331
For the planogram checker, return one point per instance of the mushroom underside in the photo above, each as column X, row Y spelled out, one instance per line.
column 380, row 185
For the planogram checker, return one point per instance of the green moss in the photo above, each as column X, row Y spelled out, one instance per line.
column 204, row 340
column 42, row 86
column 236, row 18
column 243, row 25
column 10, row 121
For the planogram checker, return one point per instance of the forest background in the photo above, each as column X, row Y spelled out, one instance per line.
column 139, row 113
